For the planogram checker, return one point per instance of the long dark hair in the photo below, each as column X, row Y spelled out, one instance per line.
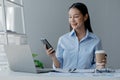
column 83, row 9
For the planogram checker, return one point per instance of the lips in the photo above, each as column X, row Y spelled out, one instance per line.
column 73, row 24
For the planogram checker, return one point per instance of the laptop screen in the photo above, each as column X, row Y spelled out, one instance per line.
column 20, row 58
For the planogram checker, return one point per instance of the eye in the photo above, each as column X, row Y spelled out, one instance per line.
column 76, row 16
column 70, row 17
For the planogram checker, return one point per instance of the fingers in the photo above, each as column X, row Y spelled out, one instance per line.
column 50, row 51
column 104, row 61
column 100, row 64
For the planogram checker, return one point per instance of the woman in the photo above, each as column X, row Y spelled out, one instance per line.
column 76, row 49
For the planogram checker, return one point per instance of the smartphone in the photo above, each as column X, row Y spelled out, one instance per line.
column 45, row 42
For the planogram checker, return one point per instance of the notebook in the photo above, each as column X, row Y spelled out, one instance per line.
column 20, row 59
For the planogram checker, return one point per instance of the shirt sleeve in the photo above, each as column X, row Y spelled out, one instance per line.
column 97, row 47
column 59, row 54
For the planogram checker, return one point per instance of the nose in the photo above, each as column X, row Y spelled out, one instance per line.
column 72, row 19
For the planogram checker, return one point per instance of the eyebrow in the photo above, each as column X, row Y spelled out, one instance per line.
column 74, row 15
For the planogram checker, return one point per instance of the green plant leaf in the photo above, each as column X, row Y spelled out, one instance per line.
column 38, row 64
column 34, row 55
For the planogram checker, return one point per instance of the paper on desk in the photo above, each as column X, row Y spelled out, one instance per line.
column 76, row 71
column 85, row 70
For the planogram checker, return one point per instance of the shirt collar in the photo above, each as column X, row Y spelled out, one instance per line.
column 88, row 34
column 72, row 33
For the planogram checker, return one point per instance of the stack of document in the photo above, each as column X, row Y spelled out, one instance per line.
column 3, row 59
column 105, row 70
column 76, row 70
column 13, row 38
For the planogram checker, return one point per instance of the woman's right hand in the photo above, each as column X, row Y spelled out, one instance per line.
column 50, row 52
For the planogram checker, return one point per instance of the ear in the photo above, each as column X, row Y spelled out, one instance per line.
column 85, row 17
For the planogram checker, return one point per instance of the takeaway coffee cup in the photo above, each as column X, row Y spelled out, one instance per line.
column 100, row 59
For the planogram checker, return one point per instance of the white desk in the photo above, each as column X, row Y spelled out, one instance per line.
column 9, row 75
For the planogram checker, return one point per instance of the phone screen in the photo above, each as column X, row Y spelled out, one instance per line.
column 45, row 42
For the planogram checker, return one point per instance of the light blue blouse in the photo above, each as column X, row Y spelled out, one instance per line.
column 73, row 53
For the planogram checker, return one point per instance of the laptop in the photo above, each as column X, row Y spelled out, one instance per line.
column 20, row 59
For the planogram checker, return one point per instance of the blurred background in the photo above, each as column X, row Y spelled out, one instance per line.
column 49, row 19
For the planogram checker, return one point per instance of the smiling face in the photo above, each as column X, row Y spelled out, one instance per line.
column 76, row 19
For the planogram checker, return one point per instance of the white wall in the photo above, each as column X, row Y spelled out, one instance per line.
column 49, row 19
